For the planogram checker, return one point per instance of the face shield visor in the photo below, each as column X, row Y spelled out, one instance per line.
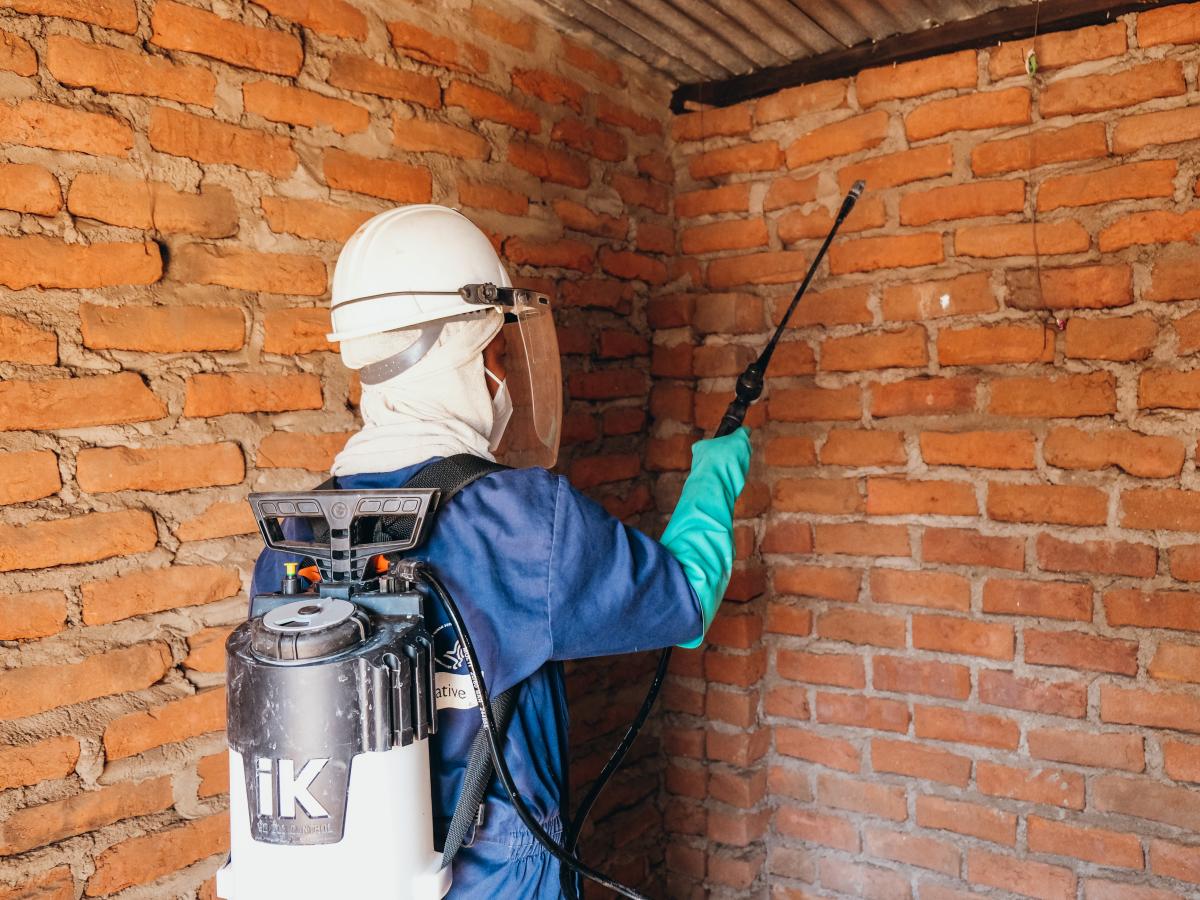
column 532, row 369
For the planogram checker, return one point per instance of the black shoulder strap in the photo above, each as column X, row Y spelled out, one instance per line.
column 450, row 475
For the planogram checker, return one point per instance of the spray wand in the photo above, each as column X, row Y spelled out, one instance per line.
column 749, row 388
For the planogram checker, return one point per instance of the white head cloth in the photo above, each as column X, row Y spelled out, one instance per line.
column 439, row 407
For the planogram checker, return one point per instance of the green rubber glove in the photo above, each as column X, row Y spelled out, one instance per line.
column 700, row 533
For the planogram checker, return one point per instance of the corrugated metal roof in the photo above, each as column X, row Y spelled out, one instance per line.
column 704, row 40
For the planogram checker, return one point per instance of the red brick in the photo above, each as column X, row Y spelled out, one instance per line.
column 1081, row 287
column 1094, row 889
column 28, row 475
column 791, row 103
column 355, row 73
column 1061, row 698
column 383, row 178
column 968, row 112
column 1052, row 787
column 984, row 449
column 1153, row 709
column 815, row 404
column 1175, row 662
column 563, row 253
column 207, row 141
column 727, row 235
column 32, row 689
column 77, row 402
column 1153, row 227
column 893, row 251
column 590, row 61
column 174, row 721
column 163, row 469
column 632, row 266
column 491, row 196
column 37, row 261
column 578, row 217
column 994, row 241
column 551, row 165
column 1042, row 599
column 1175, row 861
column 967, row 201
column 332, row 17
column 33, row 123
column 25, row 764
column 1148, row 456
column 883, row 350
column 783, row 192
column 914, row 850
column 1185, row 562
column 144, row 859
column 135, row 203
column 221, row 519
column 918, row 78
column 206, row 649
column 923, row 396
column 1172, row 276
column 614, row 113
column 312, row 219
column 281, row 273
column 860, row 539
column 800, row 225
column 1088, row 748
column 839, row 670
column 293, row 106
column 855, row 627
column 959, row 546
column 949, row 634
column 1058, row 50
column 762, row 156
column 1073, row 650
column 919, row 761
column 222, row 394
column 1095, row 93
column 1153, row 178
column 1152, row 509
column 832, row 753
column 847, row 447
column 28, row 188
column 1145, row 799
column 1021, row 876
column 1100, row 557
column 115, row 71
column 936, row 590
column 995, row 345
column 788, row 537
column 436, row 49
column 963, row 295
column 856, row 711
column 36, row 826
column 550, row 88
column 156, row 590
column 867, row 882
column 1064, row 396
column 819, row 581
column 31, row 614
column 985, row 823
column 180, row 27
column 894, row 496
column 1181, row 761
column 884, row 801
column 817, row 828
column 838, row 139
column 898, row 675
column 162, row 329
column 481, row 103
column 727, row 198
column 1168, row 389
column 1046, row 146
column 831, row 496
column 296, row 330
column 119, row 15
column 1170, row 126
column 786, row 701
column 16, row 55
column 697, row 126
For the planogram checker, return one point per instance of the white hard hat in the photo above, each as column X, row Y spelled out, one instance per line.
column 404, row 267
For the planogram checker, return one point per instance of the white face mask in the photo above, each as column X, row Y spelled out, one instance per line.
column 502, row 410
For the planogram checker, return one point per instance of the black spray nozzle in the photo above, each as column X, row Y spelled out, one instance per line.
column 750, row 383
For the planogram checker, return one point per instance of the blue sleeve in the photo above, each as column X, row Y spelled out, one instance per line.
column 611, row 588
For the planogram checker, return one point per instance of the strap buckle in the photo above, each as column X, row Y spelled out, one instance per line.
column 479, row 818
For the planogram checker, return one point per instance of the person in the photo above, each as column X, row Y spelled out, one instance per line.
column 542, row 574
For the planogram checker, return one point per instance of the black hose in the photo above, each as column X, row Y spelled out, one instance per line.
column 421, row 572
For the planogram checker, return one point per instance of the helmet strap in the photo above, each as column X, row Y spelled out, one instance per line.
column 391, row 366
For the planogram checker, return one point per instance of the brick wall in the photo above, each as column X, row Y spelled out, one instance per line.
column 176, row 183
column 964, row 657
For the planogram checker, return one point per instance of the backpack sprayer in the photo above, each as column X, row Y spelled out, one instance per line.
column 332, row 696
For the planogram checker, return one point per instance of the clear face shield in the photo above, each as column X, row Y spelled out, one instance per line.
column 532, row 370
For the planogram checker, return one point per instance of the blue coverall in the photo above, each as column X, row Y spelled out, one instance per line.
column 541, row 574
